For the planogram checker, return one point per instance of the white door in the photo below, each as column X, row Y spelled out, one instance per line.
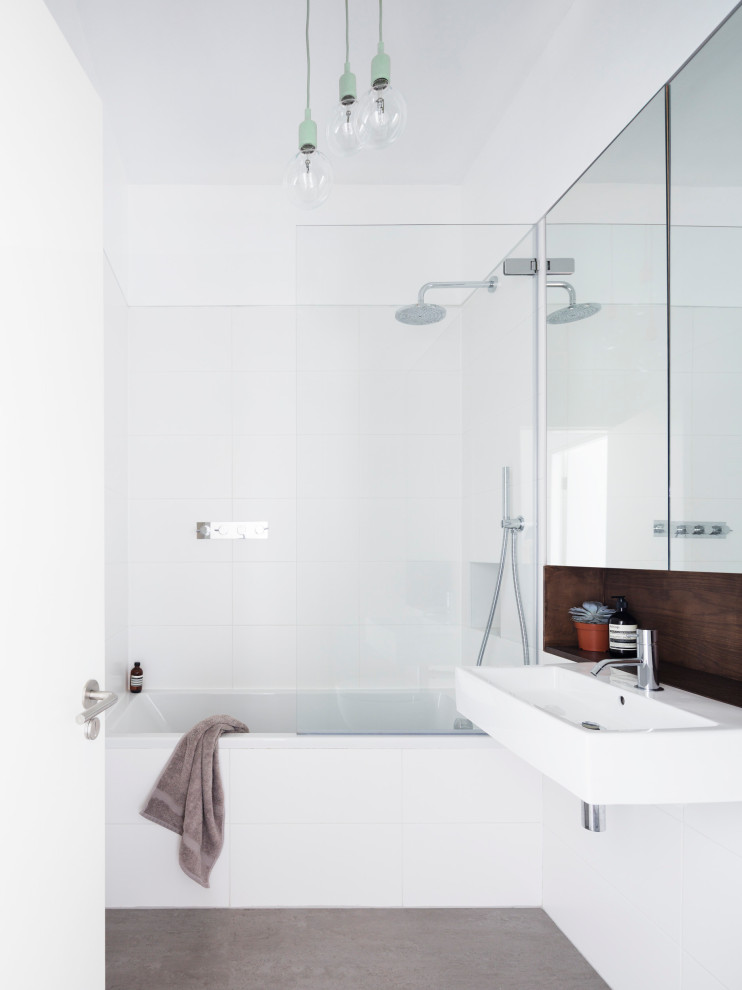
column 51, row 507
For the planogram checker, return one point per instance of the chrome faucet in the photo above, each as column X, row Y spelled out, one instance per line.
column 646, row 663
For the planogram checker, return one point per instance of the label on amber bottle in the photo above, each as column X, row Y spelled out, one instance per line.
column 622, row 638
column 137, row 679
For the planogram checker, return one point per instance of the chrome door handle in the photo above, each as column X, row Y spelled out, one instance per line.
column 95, row 702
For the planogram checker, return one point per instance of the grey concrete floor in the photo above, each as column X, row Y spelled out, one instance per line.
column 353, row 949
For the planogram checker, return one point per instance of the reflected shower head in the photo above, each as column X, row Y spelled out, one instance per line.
column 422, row 313
column 574, row 311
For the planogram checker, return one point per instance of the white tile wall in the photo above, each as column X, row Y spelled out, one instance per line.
column 677, row 907
column 351, row 453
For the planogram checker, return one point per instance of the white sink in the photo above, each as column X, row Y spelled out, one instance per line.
column 669, row 747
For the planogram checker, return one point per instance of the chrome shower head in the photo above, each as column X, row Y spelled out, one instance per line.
column 574, row 311
column 422, row 313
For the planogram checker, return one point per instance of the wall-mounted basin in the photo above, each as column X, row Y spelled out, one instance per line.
column 608, row 744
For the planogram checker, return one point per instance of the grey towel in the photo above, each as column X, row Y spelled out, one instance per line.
column 188, row 797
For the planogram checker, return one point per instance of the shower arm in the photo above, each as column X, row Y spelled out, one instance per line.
column 490, row 283
column 564, row 285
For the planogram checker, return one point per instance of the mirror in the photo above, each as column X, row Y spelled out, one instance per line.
column 607, row 373
column 613, row 453
column 706, row 306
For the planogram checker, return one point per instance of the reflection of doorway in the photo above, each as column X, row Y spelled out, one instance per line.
column 578, row 501
column 52, row 503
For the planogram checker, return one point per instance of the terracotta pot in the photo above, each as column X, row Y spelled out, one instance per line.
column 592, row 636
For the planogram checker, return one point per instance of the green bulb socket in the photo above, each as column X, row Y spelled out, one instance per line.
column 307, row 133
column 348, row 91
column 381, row 68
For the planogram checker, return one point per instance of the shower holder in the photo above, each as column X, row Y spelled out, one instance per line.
column 232, row 530
column 691, row 530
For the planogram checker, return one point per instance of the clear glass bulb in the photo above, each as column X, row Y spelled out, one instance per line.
column 308, row 179
column 381, row 117
column 342, row 130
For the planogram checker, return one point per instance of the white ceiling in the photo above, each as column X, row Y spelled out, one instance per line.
column 212, row 91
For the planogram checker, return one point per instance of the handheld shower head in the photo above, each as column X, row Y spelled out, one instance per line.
column 422, row 313
column 573, row 311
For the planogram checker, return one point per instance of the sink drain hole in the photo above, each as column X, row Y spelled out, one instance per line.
column 590, row 725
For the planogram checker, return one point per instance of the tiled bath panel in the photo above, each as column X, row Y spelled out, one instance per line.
column 493, row 949
column 373, row 825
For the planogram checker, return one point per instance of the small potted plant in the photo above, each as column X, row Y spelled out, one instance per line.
column 591, row 620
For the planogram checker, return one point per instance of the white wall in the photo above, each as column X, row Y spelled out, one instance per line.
column 652, row 901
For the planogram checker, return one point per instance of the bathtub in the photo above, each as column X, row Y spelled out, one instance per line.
column 288, row 712
column 433, row 817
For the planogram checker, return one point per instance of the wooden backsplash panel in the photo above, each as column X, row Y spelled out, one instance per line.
column 563, row 588
column 698, row 616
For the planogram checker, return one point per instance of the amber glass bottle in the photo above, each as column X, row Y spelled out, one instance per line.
column 136, row 678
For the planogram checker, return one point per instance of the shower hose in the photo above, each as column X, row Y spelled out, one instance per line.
column 510, row 528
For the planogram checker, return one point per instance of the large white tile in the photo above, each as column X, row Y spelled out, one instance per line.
column 264, row 467
column 179, row 338
column 142, row 870
column 712, row 877
column 384, row 402
column 327, row 594
column 184, row 658
column 720, row 822
column 410, row 592
column 130, row 776
column 328, row 529
column 327, row 466
column 410, row 656
column 180, row 594
column 264, row 338
column 463, row 865
column 280, row 514
column 433, row 529
column 717, row 403
column 695, row 977
column 264, row 594
column 717, row 339
column 180, row 467
column 316, row 865
column 384, row 528
column 165, row 530
column 471, row 786
column 434, row 467
column 321, row 786
column 327, row 657
column 327, row 402
column 398, row 402
column 264, row 403
column 180, row 403
column 716, row 467
column 600, row 922
column 383, row 467
column 327, row 338
column 265, row 657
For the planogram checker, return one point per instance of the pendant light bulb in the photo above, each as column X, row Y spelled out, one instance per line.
column 309, row 177
column 382, row 114
column 342, row 128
